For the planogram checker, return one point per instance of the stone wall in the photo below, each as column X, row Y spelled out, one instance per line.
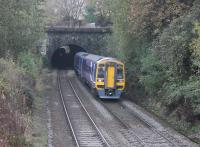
column 93, row 40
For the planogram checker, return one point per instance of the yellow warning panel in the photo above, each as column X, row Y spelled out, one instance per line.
column 111, row 76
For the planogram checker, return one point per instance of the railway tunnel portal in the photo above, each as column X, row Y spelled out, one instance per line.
column 64, row 43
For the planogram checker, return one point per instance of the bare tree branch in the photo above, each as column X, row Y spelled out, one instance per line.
column 71, row 10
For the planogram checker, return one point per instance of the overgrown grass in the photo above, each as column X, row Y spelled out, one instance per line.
column 30, row 63
column 17, row 93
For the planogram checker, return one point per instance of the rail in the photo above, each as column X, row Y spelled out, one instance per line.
column 76, row 134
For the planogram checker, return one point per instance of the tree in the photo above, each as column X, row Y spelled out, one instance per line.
column 195, row 49
column 138, row 23
column 71, row 10
column 90, row 13
column 21, row 24
column 99, row 12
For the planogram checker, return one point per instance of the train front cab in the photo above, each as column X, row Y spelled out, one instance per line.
column 110, row 79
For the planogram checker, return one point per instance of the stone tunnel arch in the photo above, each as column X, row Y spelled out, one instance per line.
column 63, row 57
column 92, row 40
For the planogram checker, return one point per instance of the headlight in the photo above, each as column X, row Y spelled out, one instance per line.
column 100, row 80
column 120, row 80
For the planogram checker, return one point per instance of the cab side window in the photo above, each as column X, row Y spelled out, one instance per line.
column 120, row 72
column 101, row 71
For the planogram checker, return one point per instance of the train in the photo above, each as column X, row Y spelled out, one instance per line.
column 104, row 75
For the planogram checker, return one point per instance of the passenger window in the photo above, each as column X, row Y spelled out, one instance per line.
column 94, row 71
column 120, row 72
column 101, row 71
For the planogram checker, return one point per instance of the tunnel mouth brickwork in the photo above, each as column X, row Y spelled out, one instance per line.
column 93, row 40
column 63, row 57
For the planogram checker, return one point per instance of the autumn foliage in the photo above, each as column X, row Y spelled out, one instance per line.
column 159, row 41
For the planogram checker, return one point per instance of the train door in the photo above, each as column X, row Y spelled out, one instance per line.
column 110, row 76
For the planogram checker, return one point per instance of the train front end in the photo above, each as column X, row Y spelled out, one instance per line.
column 110, row 78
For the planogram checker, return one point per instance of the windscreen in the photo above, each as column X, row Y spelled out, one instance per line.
column 120, row 74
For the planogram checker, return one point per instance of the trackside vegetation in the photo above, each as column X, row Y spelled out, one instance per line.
column 160, row 44
column 158, row 40
column 21, row 26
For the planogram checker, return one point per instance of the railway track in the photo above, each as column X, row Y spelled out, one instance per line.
column 134, row 140
column 84, row 130
column 133, row 127
column 148, row 136
column 147, row 132
column 164, row 134
column 130, row 135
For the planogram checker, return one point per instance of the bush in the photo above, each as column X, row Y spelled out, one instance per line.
column 90, row 14
column 11, row 78
column 30, row 63
column 15, row 83
column 13, row 103
column 153, row 75
column 186, row 93
column 195, row 49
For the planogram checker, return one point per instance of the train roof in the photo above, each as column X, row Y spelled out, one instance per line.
column 88, row 56
column 95, row 58
column 82, row 54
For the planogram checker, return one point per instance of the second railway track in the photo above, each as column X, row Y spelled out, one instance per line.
column 146, row 135
column 161, row 138
column 127, row 128
column 83, row 127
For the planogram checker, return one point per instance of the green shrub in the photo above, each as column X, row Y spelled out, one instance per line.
column 153, row 75
column 195, row 48
column 184, row 93
column 90, row 14
column 30, row 63
column 14, row 102
column 45, row 61
column 10, row 77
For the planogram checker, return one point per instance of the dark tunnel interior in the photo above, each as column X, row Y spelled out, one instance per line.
column 64, row 58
